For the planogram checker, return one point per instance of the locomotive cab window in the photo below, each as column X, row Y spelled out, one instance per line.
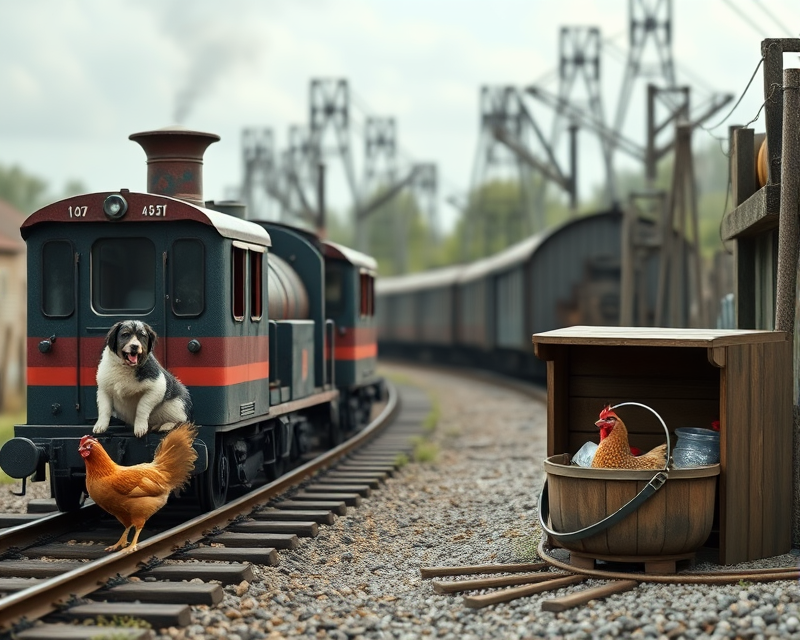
column 188, row 277
column 58, row 279
column 334, row 290
column 367, row 305
column 256, row 285
column 123, row 275
column 238, row 290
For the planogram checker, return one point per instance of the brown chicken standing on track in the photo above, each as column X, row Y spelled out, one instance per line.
column 133, row 494
column 614, row 452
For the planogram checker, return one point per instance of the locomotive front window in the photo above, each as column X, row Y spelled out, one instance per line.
column 58, row 279
column 188, row 277
column 123, row 275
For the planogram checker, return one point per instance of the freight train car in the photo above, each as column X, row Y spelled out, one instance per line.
column 484, row 313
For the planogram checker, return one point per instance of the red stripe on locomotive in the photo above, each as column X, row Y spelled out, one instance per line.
column 357, row 343
column 220, row 361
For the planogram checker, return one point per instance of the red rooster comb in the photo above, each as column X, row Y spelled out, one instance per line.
column 607, row 412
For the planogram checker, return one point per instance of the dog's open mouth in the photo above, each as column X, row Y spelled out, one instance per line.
column 131, row 358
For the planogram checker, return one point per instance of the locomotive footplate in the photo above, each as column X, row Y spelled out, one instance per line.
column 27, row 454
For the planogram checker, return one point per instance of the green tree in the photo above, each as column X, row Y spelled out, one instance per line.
column 28, row 192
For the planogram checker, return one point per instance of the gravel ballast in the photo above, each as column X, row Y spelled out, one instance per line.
column 474, row 504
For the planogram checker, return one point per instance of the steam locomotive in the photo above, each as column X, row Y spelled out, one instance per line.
column 270, row 327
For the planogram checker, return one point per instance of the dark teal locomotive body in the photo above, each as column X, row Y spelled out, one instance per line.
column 239, row 309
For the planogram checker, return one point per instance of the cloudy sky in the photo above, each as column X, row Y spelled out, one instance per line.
column 78, row 77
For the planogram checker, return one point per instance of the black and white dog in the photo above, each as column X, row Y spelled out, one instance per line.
column 133, row 386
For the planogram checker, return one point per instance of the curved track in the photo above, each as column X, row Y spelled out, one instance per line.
column 56, row 593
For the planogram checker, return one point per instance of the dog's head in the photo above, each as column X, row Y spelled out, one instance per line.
column 132, row 341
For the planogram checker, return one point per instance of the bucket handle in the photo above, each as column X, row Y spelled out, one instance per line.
column 656, row 482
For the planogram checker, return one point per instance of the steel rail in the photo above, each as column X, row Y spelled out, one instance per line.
column 38, row 601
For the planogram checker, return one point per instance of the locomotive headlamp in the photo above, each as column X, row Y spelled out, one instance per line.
column 114, row 206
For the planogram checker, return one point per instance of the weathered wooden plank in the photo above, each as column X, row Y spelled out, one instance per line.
column 369, row 477
column 158, row 615
column 638, row 362
column 655, row 336
column 264, row 557
column 36, row 568
column 337, row 506
column 743, row 165
column 69, row 551
column 734, row 457
column 755, row 438
column 350, row 499
column 637, row 387
column 370, row 481
column 41, row 505
column 558, row 417
column 457, row 586
column 435, row 572
column 582, row 597
column 776, row 365
column 11, row 585
column 366, row 468
column 255, row 540
column 320, row 516
column 332, row 487
column 193, row 593
column 308, row 529
column 82, row 632
column 232, row 573
column 506, row 595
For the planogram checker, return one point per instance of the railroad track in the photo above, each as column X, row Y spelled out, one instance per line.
column 54, row 570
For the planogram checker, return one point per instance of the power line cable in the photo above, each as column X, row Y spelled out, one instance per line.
column 775, row 20
column 744, row 17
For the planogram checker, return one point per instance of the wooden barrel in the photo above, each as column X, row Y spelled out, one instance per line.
column 676, row 520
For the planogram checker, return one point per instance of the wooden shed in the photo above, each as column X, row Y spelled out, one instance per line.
column 13, row 305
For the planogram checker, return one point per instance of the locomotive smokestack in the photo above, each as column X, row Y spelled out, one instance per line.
column 175, row 161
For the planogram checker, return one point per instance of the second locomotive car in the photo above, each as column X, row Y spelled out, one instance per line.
column 270, row 327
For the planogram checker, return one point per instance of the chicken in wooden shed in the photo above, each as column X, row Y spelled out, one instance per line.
column 614, row 451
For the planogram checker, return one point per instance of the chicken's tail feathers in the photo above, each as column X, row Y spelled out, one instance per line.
column 175, row 454
column 654, row 458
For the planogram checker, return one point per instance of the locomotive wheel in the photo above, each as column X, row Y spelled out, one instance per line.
column 215, row 481
column 68, row 493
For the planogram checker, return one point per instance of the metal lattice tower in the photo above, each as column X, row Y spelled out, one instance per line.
column 579, row 64
column 650, row 21
column 329, row 104
column 380, row 172
column 424, row 186
column 258, row 155
column 501, row 115
column 298, row 171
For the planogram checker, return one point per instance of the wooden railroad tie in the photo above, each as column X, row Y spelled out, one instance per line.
column 526, row 584
column 506, row 595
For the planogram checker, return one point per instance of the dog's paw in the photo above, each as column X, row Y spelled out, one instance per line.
column 167, row 426
column 100, row 428
column 140, row 430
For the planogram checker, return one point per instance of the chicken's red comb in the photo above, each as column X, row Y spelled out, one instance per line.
column 607, row 412
column 86, row 439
